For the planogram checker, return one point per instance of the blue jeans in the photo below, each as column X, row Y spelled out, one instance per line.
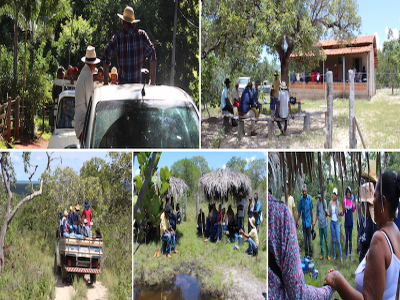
column 208, row 227
column 241, row 223
column 252, row 247
column 349, row 234
column 167, row 238
column 279, row 123
column 76, row 229
column 335, row 233
column 215, row 231
column 172, row 221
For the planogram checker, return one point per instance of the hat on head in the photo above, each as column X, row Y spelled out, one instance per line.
column 372, row 171
column 250, row 197
column 237, row 83
column 276, row 73
column 90, row 57
column 252, row 221
column 334, row 191
column 367, row 195
column 65, row 213
column 283, row 85
column 70, row 208
column 85, row 221
column 128, row 16
column 98, row 230
column 77, row 207
column 319, row 193
column 95, row 71
column 227, row 81
column 114, row 71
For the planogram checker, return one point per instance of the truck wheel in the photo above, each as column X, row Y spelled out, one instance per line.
column 64, row 275
column 92, row 278
column 55, row 265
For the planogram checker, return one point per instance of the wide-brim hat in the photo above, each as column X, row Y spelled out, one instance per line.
column 227, row 81
column 283, row 85
column 77, row 207
column 129, row 15
column 71, row 208
column 276, row 73
column 372, row 172
column 252, row 221
column 85, row 221
column 90, row 57
column 367, row 195
column 65, row 213
column 114, row 71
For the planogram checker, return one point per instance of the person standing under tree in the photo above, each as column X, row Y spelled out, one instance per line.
column 305, row 210
column 320, row 216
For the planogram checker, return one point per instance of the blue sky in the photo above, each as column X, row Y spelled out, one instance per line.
column 73, row 159
column 376, row 17
column 215, row 159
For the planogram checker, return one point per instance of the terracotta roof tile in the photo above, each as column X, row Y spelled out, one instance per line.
column 348, row 50
column 361, row 40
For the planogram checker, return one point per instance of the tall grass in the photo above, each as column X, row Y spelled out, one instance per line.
column 80, row 289
column 28, row 268
column 206, row 260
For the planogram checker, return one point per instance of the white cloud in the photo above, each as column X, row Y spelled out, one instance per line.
column 395, row 33
column 137, row 172
column 18, row 175
column 15, row 158
column 224, row 166
column 38, row 158
column 377, row 41
column 250, row 159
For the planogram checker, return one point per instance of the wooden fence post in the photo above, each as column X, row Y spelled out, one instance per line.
column 329, row 123
column 43, row 116
column 9, row 120
column 352, row 130
column 185, row 207
column 197, row 205
column 17, row 118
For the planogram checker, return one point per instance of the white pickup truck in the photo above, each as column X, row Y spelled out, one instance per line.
column 78, row 256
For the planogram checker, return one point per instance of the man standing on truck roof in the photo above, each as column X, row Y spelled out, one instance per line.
column 131, row 46
column 84, row 88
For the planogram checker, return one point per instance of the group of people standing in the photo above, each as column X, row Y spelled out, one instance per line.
column 73, row 223
column 377, row 275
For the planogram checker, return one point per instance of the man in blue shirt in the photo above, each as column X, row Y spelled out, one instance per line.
column 245, row 110
column 225, row 103
column 305, row 210
column 257, row 212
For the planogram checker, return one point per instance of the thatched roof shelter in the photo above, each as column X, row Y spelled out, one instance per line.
column 218, row 184
column 177, row 186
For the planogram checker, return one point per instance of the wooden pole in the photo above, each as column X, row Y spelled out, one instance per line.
column 359, row 132
column 352, row 130
column 185, row 207
column 17, row 118
column 197, row 205
column 43, row 116
column 329, row 123
column 321, row 176
column 9, row 120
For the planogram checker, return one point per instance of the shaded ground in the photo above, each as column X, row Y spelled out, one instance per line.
column 378, row 119
column 64, row 291
column 26, row 143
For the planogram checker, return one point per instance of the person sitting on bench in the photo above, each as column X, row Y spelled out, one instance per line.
column 245, row 110
column 283, row 108
column 225, row 103
column 209, row 220
column 178, row 214
column 201, row 225
column 167, row 233
column 252, row 237
column 217, row 227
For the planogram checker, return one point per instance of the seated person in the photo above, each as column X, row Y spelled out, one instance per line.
column 245, row 110
column 257, row 103
column 231, row 219
column 201, row 225
column 167, row 233
column 224, row 216
column 284, row 107
column 252, row 237
column 63, row 224
column 209, row 220
column 178, row 213
column 98, row 234
column 67, row 114
column 217, row 226
column 172, row 220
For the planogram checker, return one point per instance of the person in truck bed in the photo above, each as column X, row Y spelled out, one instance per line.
column 98, row 234
column 88, row 214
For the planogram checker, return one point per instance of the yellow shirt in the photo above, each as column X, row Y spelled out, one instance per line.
column 164, row 225
column 290, row 203
column 254, row 236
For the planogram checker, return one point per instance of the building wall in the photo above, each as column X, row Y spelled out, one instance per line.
column 316, row 91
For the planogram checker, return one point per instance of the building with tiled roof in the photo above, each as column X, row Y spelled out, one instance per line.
column 361, row 52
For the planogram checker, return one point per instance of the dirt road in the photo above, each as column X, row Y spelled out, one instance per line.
column 64, row 291
column 245, row 286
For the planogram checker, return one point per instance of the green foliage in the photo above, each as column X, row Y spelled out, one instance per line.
column 6, row 67
column 187, row 170
column 82, row 36
column 236, row 164
column 389, row 63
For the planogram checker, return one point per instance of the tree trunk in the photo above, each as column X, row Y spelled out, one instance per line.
column 15, row 47
column 2, row 236
column 23, row 85
column 285, row 68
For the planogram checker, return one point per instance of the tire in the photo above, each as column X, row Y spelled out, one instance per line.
column 64, row 275
column 92, row 279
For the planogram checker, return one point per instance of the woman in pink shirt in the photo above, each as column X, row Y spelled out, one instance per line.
column 348, row 208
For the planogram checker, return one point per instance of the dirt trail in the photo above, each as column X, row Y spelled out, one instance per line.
column 245, row 285
column 64, row 291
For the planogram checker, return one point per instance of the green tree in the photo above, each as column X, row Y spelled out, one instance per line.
column 188, row 171
column 256, row 171
column 391, row 54
column 201, row 163
column 237, row 164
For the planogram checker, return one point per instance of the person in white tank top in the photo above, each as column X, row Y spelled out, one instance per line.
column 377, row 275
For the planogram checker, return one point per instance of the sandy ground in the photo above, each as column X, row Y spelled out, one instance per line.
column 245, row 286
column 64, row 291
column 26, row 143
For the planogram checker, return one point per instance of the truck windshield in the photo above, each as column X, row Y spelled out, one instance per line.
column 145, row 124
column 66, row 112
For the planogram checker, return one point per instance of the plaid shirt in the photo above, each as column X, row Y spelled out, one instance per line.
column 131, row 46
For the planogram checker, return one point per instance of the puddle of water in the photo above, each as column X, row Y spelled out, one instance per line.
column 185, row 287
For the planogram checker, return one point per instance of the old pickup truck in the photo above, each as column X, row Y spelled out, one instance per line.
column 78, row 256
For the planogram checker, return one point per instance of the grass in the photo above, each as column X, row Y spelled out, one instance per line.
column 206, row 260
column 46, row 134
column 378, row 119
column 80, row 289
column 26, row 273
column 323, row 266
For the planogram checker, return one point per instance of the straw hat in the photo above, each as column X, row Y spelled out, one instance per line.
column 77, row 207
column 90, row 57
column 372, row 171
column 128, row 16
column 367, row 195
column 114, row 71
column 276, row 73
column 252, row 221
column 283, row 85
